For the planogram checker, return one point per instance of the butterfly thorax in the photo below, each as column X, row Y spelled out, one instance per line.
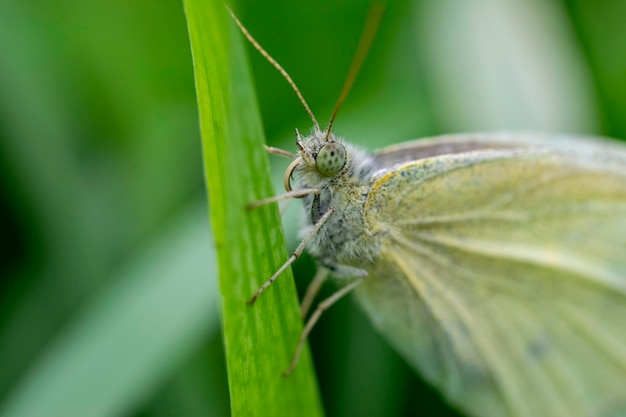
column 344, row 244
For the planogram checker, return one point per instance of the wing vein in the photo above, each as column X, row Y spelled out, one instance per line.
column 488, row 355
column 575, row 264
column 615, row 349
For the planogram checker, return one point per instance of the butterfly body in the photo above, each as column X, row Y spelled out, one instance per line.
column 344, row 245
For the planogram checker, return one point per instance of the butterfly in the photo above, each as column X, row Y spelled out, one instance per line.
column 495, row 264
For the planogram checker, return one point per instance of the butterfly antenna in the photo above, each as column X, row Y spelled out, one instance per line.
column 367, row 37
column 276, row 65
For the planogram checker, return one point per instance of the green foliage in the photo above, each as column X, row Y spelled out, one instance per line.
column 108, row 278
column 101, row 161
column 132, row 335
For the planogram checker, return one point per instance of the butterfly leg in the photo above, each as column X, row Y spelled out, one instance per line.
column 280, row 152
column 321, row 307
column 295, row 255
column 343, row 271
column 291, row 194
column 311, row 292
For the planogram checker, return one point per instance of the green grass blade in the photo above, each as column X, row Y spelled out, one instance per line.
column 259, row 340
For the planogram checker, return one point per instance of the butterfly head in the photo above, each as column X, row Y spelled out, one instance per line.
column 321, row 156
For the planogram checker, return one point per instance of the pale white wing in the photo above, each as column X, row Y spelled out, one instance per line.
column 503, row 278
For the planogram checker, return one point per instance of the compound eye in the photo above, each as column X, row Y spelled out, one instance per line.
column 330, row 159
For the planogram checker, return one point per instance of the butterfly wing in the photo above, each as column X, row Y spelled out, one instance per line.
column 503, row 277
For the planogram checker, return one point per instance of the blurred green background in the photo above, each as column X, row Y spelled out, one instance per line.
column 108, row 295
